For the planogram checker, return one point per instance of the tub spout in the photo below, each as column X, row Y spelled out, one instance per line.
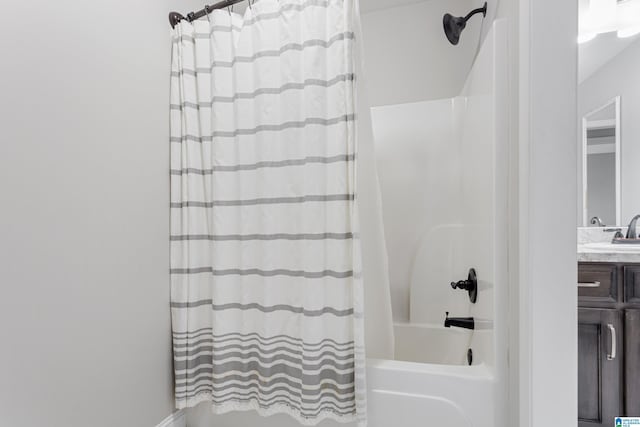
column 459, row 322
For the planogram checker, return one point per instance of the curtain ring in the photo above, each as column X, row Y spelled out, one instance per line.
column 207, row 11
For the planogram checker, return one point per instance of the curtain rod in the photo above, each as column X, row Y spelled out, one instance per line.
column 175, row 17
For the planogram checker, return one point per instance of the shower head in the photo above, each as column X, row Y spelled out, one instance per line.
column 453, row 25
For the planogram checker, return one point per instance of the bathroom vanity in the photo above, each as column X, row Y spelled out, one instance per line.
column 608, row 244
column 608, row 333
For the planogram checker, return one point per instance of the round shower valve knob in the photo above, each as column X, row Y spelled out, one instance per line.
column 470, row 285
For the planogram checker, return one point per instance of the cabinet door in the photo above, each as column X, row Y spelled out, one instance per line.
column 599, row 366
column 632, row 284
column 632, row 362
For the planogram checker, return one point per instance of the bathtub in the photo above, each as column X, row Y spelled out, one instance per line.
column 408, row 394
column 430, row 381
column 429, row 343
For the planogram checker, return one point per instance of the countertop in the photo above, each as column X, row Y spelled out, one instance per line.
column 588, row 237
column 588, row 255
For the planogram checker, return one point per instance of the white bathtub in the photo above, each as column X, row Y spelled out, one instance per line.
column 430, row 381
column 435, row 344
column 408, row 394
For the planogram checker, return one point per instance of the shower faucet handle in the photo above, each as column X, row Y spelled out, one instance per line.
column 461, row 284
column 470, row 285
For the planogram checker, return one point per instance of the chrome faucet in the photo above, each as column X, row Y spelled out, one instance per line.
column 631, row 231
column 597, row 220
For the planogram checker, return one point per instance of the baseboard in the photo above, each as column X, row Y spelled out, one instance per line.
column 177, row 419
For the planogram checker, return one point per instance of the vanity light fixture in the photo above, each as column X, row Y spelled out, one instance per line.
column 606, row 16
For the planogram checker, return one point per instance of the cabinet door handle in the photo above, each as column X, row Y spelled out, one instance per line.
column 588, row 284
column 612, row 353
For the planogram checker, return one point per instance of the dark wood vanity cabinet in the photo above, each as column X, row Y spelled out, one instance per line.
column 632, row 362
column 599, row 366
column 632, row 284
column 608, row 342
column 598, row 285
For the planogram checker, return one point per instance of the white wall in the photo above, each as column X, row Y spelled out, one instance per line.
column 510, row 11
column 84, row 219
column 619, row 77
column 547, row 222
column 407, row 56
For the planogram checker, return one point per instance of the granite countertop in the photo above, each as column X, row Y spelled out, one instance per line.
column 587, row 255
column 594, row 246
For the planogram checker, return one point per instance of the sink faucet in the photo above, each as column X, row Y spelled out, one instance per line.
column 459, row 322
column 597, row 220
column 631, row 231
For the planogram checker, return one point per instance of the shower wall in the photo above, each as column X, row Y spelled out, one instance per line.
column 418, row 156
column 436, row 166
column 443, row 176
column 407, row 56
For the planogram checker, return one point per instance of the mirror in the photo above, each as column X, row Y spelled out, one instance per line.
column 608, row 113
column 601, row 186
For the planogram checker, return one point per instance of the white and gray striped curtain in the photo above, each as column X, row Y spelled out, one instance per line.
column 266, row 290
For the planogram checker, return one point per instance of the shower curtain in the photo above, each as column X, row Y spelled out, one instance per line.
column 266, row 267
